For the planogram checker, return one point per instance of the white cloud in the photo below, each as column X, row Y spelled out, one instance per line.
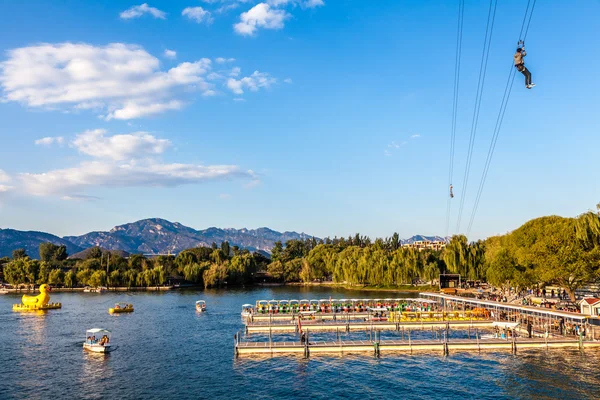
column 103, row 173
column 253, row 82
column 387, row 153
column 288, row 80
column 138, row 11
column 224, row 196
column 170, row 53
column 133, row 110
column 239, row 99
column 302, row 3
column 123, row 80
column 209, row 93
column 116, row 81
column 222, row 60
column 252, row 184
column 260, row 16
column 48, row 141
column 313, row 3
column 97, row 144
column 127, row 160
column 416, row 136
column 198, row 15
column 4, row 177
column 79, row 197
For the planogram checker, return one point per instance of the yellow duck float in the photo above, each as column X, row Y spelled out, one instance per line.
column 121, row 308
column 39, row 302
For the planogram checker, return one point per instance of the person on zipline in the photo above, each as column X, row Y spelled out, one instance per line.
column 520, row 65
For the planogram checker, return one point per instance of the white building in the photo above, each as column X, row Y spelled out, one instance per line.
column 590, row 306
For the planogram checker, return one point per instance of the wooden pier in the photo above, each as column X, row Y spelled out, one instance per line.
column 259, row 327
column 407, row 346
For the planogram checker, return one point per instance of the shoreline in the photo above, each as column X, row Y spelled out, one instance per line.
column 408, row 289
column 81, row 290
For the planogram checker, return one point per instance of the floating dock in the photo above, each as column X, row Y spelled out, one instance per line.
column 406, row 346
column 259, row 327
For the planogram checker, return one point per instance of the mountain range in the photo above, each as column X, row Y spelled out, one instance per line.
column 155, row 236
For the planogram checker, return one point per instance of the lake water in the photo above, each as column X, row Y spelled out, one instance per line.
column 167, row 350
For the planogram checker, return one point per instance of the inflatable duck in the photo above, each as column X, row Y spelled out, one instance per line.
column 40, row 300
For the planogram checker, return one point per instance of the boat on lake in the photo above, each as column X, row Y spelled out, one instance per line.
column 247, row 310
column 97, row 340
column 100, row 289
column 201, row 306
column 120, row 308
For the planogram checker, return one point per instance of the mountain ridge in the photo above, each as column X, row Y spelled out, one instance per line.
column 157, row 236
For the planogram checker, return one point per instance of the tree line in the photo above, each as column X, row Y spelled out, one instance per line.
column 544, row 251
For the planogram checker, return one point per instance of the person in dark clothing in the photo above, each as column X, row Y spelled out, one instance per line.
column 520, row 66
column 529, row 328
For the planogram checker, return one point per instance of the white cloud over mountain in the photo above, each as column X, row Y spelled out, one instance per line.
column 123, row 160
column 118, row 80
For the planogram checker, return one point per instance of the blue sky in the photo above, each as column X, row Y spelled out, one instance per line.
column 329, row 117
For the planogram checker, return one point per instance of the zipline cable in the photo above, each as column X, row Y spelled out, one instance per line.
column 479, row 95
column 499, row 120
column 459, row 29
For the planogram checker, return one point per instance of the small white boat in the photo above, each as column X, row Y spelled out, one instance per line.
column 97, row 340
column 4, row 291
column 201, row 306
column 100, row 289
column 247, row 310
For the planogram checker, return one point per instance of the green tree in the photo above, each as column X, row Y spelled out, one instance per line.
column 43, row 272
column 60, row 253
column 19, row 253
column 225, row 248
column 95, row 252
column 47, row 251
column 456, row 253
column 276, row 270
column 56, row 277
column 70, row 279
column 277, row 251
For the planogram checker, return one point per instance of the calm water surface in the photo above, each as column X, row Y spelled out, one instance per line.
column 167, row 350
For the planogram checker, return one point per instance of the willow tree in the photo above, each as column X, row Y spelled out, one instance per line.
column 587, row 229
column 455, row 255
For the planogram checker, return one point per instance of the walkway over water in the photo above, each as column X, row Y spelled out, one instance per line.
column 406, row 346
column 542, row 320
column 510, row 309
column 365, row 326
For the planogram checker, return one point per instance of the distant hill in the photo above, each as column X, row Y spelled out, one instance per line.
column 155, row 235
column 11, row 239
column 417, row 238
